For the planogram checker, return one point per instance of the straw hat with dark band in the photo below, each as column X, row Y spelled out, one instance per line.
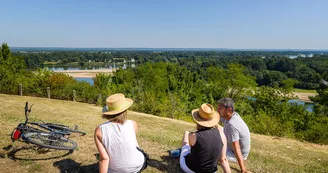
column 206, row 116
column 116, row 104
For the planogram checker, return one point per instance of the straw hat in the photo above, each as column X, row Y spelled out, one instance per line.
column 116, row 104
column 206, row 116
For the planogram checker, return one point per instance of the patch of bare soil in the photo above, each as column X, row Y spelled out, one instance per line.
column 85, row 73
column 304, row 96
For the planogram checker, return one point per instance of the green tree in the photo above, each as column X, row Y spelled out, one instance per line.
column 321, row 100
column 5, row 51
column 1, row 59
column 233, row 82
column 101, row 81
column 272, row 78
column 238, row 82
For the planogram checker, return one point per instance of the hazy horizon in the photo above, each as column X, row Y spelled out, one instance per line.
column 205, row 48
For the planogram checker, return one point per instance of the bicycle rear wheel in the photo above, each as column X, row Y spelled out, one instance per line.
column 47, row 140
column 64, row 128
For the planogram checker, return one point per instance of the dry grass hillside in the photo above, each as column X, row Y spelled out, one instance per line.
column 156, row 136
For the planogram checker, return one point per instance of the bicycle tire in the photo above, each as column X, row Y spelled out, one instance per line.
column 64, row 128
column 44, row 140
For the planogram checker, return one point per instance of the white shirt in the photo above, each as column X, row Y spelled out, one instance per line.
column 121, row 145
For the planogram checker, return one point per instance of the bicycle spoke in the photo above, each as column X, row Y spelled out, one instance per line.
column 47, row 140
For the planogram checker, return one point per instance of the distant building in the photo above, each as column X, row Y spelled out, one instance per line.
column 292, row 56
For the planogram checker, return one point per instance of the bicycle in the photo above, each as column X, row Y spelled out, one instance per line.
column 48, row 135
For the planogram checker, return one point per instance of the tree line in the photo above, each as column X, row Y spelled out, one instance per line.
column 269, row 68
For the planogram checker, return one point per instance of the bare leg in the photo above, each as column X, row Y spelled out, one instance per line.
column 185, row 138
column 223, row 159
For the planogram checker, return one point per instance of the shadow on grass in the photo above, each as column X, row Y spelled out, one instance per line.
column 34, row 153
column 69, row 165
column 167, row 165
column 235, row 169
column 7, row 148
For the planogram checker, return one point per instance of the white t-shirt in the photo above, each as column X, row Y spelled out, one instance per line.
column 121, row 145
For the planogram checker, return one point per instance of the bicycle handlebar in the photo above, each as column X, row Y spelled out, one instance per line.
column 27, row 110
column 26, row 106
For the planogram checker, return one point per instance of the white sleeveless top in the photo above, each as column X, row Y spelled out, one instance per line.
column 120, row 143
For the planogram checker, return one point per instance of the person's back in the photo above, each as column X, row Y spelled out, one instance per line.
column 202, row 150
column 120, row 143
column 116, row 139
column 206, row 152
column 236, row 129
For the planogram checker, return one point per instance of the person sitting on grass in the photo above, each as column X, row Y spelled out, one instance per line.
column 202, row 150
column 237, row 133
column 116, row 139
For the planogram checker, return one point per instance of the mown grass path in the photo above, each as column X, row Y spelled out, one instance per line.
column 156, row 136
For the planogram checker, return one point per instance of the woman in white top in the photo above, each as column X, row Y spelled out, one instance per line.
column 116, row 139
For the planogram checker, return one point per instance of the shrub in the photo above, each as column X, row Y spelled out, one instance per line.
column 264, row 124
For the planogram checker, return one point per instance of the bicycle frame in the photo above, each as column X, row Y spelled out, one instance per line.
column 44, row 126
column 25, row 128
column 52, row 138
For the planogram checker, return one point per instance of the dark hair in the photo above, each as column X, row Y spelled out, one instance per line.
column 118, row 118
column 201, row 128
column 228, row 103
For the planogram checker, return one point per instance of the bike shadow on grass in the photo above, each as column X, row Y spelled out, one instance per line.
column 34, row 153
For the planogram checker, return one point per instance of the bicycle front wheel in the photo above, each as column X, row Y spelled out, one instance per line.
column 48, row 140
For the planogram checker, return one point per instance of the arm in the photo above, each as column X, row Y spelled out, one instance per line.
column 103, row 156
column 223, row 159
column 135, row 127
column 239, row 156
column 192, row 139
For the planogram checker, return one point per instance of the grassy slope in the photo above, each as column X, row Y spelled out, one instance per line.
column 156, row 136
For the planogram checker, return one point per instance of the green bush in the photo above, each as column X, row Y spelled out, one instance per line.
column 263, row 124
column 317, row 130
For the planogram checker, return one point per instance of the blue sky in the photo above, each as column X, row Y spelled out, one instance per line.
column 238, row 24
